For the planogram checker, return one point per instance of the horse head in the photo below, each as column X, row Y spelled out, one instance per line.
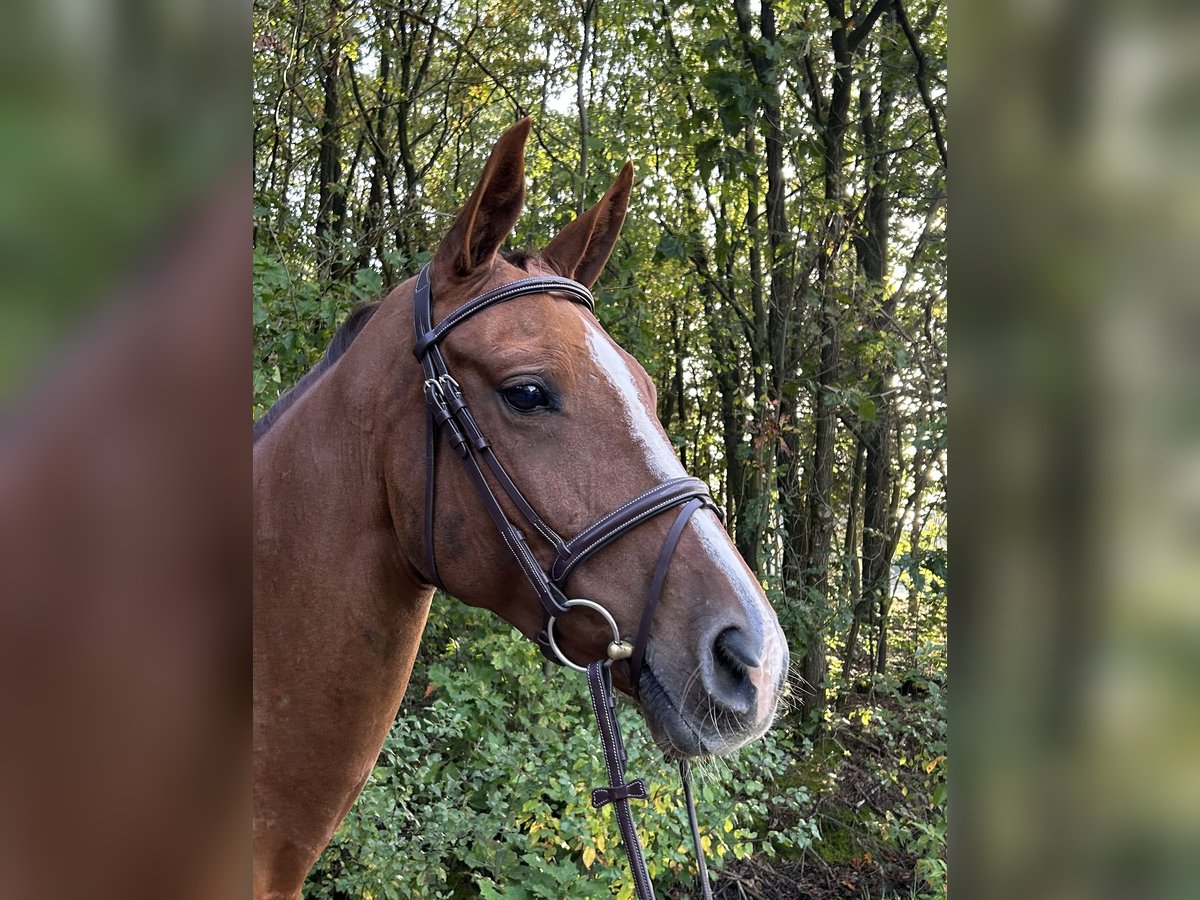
column 571, row 416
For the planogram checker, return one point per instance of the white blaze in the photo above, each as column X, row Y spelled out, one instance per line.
column 645, row 429
column 648, row 434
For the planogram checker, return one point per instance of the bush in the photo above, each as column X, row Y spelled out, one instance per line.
column 483, row 786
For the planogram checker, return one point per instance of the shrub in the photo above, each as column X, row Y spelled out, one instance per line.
column 483, row 786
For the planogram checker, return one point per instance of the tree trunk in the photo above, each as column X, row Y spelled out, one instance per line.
column 727, row 376
column 373, row 237
column 780, row 336
column 331, row 205
column 752, row 514
column 820, row 509
column 820, row 484
column 871, row 245
column 853, row 563
column 587, row 13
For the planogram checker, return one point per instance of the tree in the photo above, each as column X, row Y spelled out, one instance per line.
column 780, row 275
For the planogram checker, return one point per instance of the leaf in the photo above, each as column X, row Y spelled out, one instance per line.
column 707, row 152
column 732, row 118
column 589, row 856
column 369, row 281
column 669, row 247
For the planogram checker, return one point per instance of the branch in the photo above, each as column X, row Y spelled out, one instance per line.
column 518, row 106
column 814, row 89
column 922, row 81
column 358, row 101
column 863, row 28
column 922, row 241
column 699, row 260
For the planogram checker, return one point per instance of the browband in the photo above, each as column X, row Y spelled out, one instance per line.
column 427, row 335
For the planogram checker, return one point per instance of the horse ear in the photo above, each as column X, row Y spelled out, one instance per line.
column 483, row 224
column 583, row 247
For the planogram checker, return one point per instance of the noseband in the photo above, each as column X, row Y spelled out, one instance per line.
column 447, row 412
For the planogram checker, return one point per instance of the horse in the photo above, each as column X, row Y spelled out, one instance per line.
column 345, row 536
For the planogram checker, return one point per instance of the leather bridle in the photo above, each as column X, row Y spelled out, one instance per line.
column 447, row 412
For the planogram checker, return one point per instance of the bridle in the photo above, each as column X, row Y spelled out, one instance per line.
column 447, row 412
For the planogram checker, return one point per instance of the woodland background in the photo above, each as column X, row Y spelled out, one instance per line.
column 782, row 277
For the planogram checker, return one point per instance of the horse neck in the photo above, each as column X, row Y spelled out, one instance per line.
column 339, row 609
column 337, row 499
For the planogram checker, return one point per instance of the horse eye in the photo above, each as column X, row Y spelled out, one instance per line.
column 525, row 398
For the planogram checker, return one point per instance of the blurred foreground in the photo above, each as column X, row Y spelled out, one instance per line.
column 124, row 451
column 124, row 456
column 1075, row 624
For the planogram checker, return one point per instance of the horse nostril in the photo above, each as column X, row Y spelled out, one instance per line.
column 733, row 653
column 738, row 647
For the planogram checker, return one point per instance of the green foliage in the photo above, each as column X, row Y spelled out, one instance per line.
column 921, row 829
column 294, row 319
column 483, row 787
column 914, row 771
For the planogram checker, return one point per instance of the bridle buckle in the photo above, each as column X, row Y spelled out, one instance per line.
column 433, row 394
column 443, row 416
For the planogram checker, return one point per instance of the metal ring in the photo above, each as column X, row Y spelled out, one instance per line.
column 590, row 604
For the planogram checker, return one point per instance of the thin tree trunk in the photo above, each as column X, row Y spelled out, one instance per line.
column 779, row 336
column 871, row 245
column 913, row 513
column 331, row 203
column 372, row 218
column 853, row 563
column 676, row 398
column 588, row 9
column 820, row 483
column 726, row 375
column 845, row 43
column 752, row 513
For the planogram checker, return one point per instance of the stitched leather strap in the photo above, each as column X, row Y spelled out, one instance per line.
column 604, row 707
column 685, row 775
column 431, row 436
column 449, row 413
column 654, row 593
column 428, row 336
column 620, row 793
column 635, row 790
column 595, row 537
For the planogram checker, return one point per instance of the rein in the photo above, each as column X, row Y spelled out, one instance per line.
column 447, row 412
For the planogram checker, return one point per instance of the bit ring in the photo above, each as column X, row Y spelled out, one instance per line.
column 616, row 650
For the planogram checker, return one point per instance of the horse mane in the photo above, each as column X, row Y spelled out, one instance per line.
column 342, row 339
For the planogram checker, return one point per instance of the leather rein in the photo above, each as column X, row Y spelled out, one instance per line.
column 447, row 413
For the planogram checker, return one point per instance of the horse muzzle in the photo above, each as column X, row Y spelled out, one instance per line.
column 728, row 698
